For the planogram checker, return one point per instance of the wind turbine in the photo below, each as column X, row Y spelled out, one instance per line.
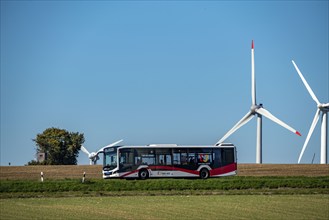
column 322, row 107
column 93, row 156
column 257, row 110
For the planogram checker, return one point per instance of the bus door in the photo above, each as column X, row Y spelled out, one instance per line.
column 126, row 160
column 163, row 162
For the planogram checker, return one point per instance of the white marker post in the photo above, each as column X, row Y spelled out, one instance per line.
column 83, row 177
column 41, row 176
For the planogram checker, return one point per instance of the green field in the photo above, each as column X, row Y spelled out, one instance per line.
column 169, row 207
column 229, row 185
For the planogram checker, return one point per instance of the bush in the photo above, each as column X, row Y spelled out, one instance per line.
column 34, row 162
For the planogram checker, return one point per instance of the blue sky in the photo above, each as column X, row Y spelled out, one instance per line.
column 161, row 72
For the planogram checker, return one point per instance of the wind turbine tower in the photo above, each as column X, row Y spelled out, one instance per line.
column 259, row 111
column 322, row 107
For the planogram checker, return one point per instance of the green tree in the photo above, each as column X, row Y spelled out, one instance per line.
column 61, row 147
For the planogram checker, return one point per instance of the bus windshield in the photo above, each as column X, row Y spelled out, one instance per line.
column 110, row 158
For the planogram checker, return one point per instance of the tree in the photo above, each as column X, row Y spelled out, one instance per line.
column 60, row 146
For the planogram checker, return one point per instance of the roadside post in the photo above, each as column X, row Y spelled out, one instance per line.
column 83, row 177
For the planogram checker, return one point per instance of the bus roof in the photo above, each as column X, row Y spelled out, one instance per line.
column 177, row 146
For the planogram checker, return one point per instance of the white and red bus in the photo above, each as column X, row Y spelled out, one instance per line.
column 169, row 160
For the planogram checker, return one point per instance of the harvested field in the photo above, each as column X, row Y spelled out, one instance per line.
column 95, row 171
column 283, row 169
column 50, row 172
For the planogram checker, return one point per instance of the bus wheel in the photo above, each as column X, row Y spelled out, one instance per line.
column 204, row 173
column 143, row 174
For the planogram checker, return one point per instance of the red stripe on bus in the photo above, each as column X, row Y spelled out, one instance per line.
column 174, row 169
column 214, row 172
column 129, row 173
column 222, row 170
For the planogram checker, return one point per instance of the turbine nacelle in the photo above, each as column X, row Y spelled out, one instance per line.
column 254, row 108
column 92, row 155
column 324, row 107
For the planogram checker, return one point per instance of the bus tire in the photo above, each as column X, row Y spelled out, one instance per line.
column 204, row 173
column 143, row 174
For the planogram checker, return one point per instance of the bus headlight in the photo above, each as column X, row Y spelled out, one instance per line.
column 107, row 173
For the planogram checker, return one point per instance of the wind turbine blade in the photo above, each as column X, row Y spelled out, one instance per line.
column 315, row 120
column 110, row 145
column 268, row 115
column 253, row 80
column 238, row 125
column 85, row 150
column 306, row 84
column 115, row 143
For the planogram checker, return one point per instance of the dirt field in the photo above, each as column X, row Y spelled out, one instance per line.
column 283, row 169
column 95, row 172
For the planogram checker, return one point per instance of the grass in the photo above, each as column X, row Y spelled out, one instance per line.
column 227, row 185
column 169, row 207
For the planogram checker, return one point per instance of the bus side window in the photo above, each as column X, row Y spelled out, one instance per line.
column 176, row 157
column 137, row 160
column 168, row 160
column 227, row 156
column 161, row 159
column 217, row 158
column 183, row 157
column 191, row 159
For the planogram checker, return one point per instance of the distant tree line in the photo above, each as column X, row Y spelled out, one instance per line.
column 60, row 146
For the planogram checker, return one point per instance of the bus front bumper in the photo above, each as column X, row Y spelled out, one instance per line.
column 110, row 174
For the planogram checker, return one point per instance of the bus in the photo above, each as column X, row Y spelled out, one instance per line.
column 169, row 160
